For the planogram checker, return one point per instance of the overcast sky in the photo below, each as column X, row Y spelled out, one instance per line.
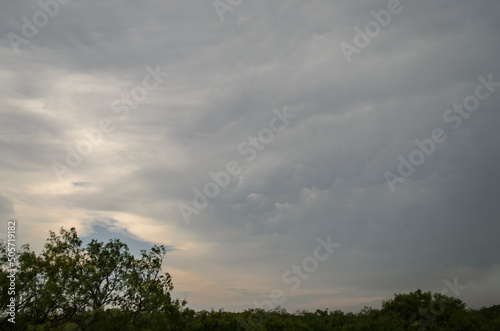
column 369, row 124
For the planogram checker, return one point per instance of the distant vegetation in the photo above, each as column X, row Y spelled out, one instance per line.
column 103, row 287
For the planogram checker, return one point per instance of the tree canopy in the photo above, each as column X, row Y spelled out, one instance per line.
column 102, row 286
column 70, row 284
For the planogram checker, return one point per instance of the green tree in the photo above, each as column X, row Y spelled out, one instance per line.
column 423, row 310
column 67, row 284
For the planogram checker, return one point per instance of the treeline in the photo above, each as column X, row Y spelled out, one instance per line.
column 102, row 286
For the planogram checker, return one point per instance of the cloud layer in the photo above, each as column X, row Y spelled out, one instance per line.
column 323, row 174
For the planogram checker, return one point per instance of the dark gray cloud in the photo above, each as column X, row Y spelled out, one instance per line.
column 323, row 174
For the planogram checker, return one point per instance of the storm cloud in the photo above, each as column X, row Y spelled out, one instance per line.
column 116, row 114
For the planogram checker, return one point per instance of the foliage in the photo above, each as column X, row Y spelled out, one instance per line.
column 103, row 287
column 70, row 285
